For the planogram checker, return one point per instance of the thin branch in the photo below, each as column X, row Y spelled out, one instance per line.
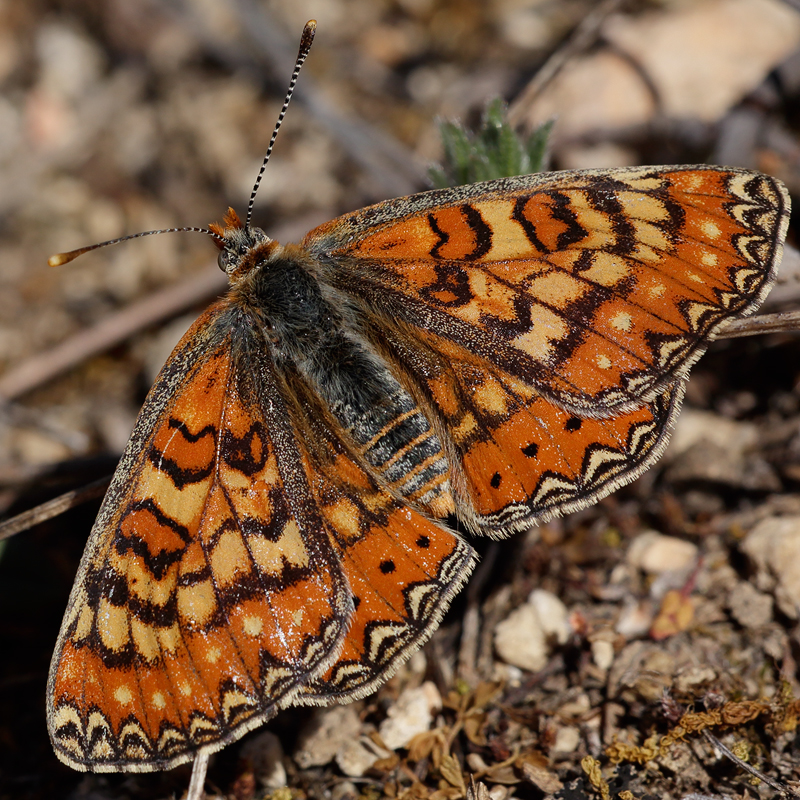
column 785, row 791
column 780, row 322
column 52, row 508
column 198, row 780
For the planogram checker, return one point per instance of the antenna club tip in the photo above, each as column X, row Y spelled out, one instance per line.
column 308, row 34
column 59, row 259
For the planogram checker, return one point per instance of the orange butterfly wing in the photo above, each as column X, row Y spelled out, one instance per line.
column 224, row 570
column 597, row 288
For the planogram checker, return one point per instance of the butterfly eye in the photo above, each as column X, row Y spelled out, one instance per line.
column 224, row 260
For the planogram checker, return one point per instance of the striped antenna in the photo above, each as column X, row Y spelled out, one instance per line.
column 305, row 45
column 64, row 258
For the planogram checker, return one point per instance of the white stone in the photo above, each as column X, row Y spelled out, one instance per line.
column 656, row 554
column 412, row 714
column 553, row 614
column 520, row 639
column 691, row 51
column 567, row 740
column 265, row 754
column 357, row 755
column 774, row 546
column 749, row 607
column 331, row 729
column 603, row 653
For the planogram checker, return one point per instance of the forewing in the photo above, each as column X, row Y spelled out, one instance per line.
column 597, row 288
column 207, row 595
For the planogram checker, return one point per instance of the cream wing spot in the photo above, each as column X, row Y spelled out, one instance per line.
column 252, row 625
column 345, row 517
column 556, row 289
column 711, row 229
column 651, row 235
column 84, row 625
column 229, row 558
column 179, row 503
column 112, row 625
column 643, row 207
column 123, row 695
column 197, row 604
column 622, row 321
column 709, row 259
column 692, row 182
column 603, row 361
column 158, row 701
column 142, row 583
column 269, row 556
column 169, row 639
column 491, row 397
column 537, row 341
column 606, row 269
column 145, row 640
column 465, row 428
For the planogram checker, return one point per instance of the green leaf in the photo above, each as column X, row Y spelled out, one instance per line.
column 495, row 151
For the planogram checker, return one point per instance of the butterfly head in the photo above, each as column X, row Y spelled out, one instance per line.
column 241, row 247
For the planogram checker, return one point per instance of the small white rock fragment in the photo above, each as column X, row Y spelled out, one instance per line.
column 655, row 553
column 330, row 730
column 412, row 714
column 749, row 607
column 774, row 546
column 567, row 739
column 357, row 755
column 635, row 618
column 689, row 679
column 553, row 614
column 603, row 654
column 521, row 639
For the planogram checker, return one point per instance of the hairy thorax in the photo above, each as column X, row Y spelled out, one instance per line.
column 312, row 328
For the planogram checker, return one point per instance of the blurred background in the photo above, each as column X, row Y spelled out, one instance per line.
column 118, row 116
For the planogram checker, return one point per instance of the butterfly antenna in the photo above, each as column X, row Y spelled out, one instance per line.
column 305, row 45
column 64, row 258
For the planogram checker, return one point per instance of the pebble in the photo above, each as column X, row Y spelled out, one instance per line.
column 567, row 739
column 330, row 730
column 603, row 653
column 654, row 553
column 357, row 755
column 412, row 714
column 672, row 45
column 773, row 545
column 553, row 614
column 521, row 639
column 749, row 607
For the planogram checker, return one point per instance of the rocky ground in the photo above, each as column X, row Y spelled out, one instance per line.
column 678, row 594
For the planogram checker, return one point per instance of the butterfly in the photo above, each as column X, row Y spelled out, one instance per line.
column 501, row 353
